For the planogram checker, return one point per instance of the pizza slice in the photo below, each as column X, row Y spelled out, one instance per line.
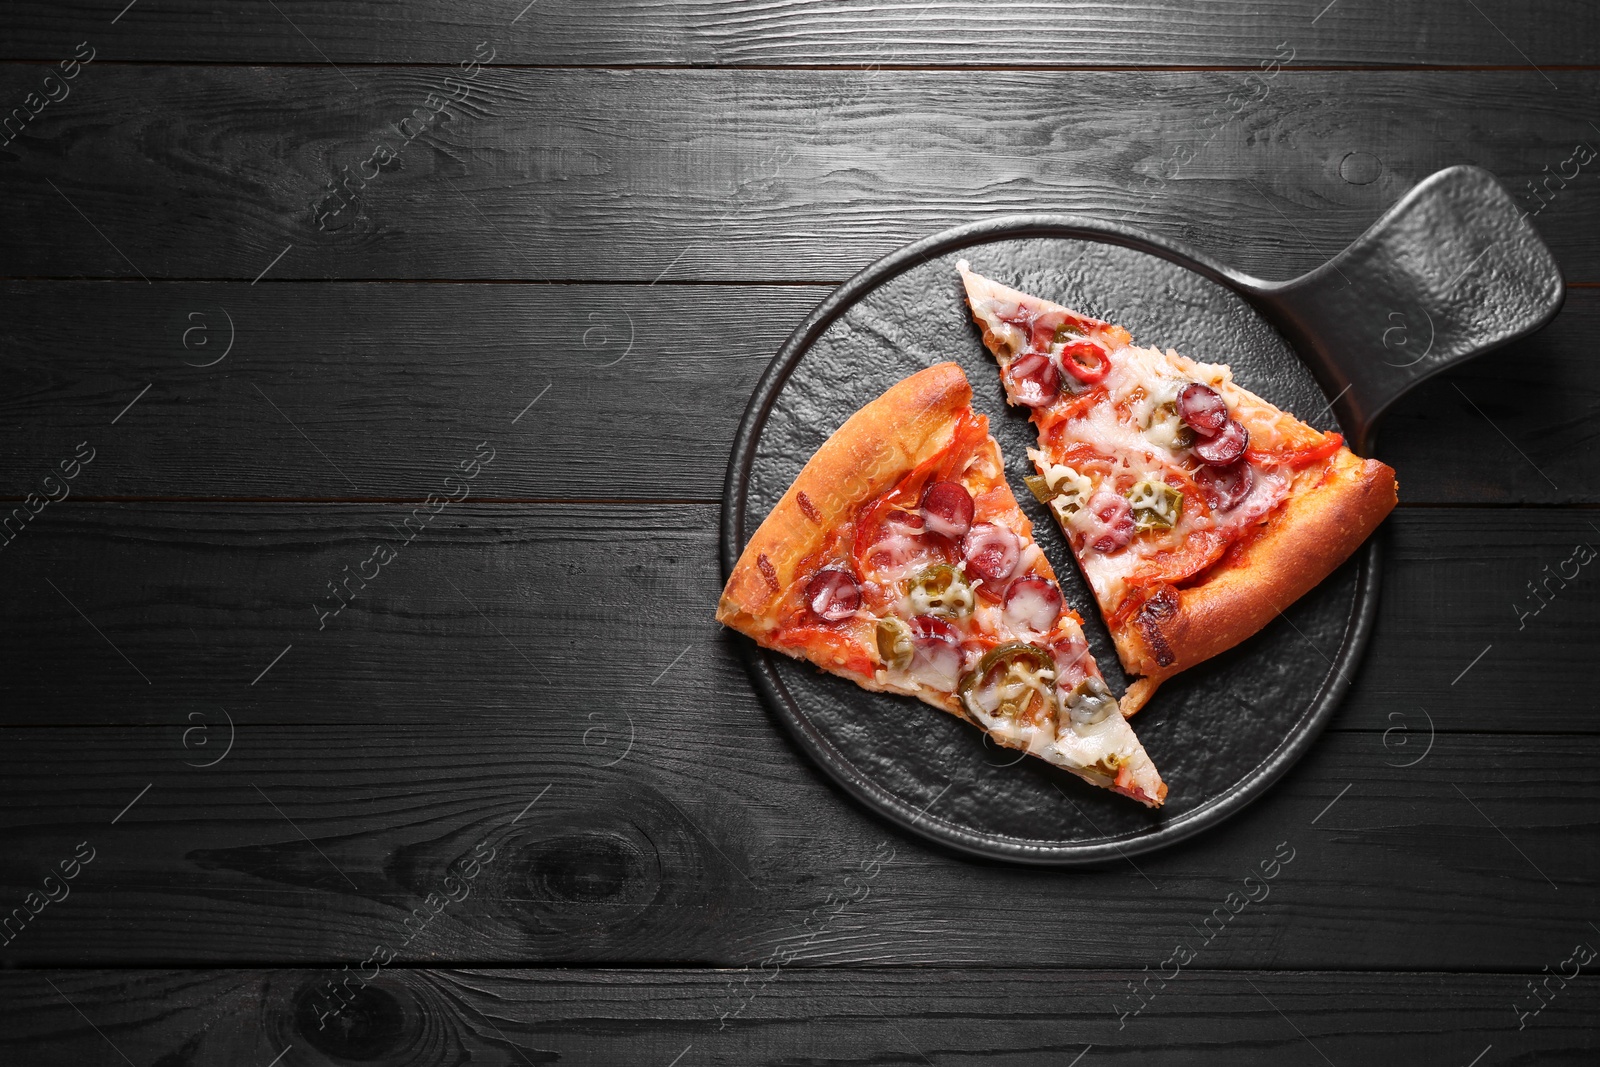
column 899, row 559
column 1197, row 510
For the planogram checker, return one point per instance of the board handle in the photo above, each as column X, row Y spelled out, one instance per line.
column 1451, row 271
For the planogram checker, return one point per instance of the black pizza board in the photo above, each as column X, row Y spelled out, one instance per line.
column 1450, row 272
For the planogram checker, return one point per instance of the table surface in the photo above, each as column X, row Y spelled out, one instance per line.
column 500, row 792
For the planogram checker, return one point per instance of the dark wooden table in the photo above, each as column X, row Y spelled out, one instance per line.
column 280, row 277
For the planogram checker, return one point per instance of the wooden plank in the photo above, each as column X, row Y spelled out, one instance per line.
column 697, row 833
column 1021, row 33
column 1515, row 426
column 202, row 597
column 389, row 383
column 1470, row 598
column 379, row 390
column 866, row 1017
column 794, row 175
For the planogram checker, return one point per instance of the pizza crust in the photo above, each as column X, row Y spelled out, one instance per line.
column 873, row 450
column 1329, row 512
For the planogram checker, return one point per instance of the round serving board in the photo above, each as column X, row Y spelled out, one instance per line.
column 1222, row 732
column 1219, row 733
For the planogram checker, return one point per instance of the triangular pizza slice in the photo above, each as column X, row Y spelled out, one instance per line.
column 899, row 559
column 1197, row 510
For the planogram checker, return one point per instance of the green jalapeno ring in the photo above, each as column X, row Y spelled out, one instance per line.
column 944, row 591
column 1152, row 518
column 1005, row 657
column 1089, row 702
column 894, row 643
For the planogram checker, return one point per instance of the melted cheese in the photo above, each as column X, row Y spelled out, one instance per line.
column 1106, row 744
column 896, row 557
column 1072, row 490
column 1146, row 382
column 953, row 602
column 1154, row 496
column 1108, row 574
column 1270, row 488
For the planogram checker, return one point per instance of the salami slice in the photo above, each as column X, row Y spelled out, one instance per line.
column 1228, row 444
column 991, row 552
column 1201, row 408
column 832, row 594
column 947, row 509
column 1033, row 602
column 1033, row 381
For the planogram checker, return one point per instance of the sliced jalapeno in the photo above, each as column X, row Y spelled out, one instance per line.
column 1179, row 433
column 1013, row 669
column 1089, row 702
column 1038, row 487
column 941, row 590
column 1156, row 505
column 894, row 643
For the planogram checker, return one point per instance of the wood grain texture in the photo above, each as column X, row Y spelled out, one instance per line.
column 675, row 32
column 496, row 609
column 388, row 382
column 378, row 390
column 712, row 842
column 752, row 175
column 936, row 1016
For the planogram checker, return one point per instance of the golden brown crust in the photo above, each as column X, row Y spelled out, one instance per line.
column 1329, row 512
column 874, row 448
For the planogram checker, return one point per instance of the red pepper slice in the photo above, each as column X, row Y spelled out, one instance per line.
column 1299, row 458
column 1087, row 372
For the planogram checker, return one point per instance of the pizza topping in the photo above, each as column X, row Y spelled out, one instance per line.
column 1038, row 487
column 1070, row 651
column 947, row 508
column 894, row 643
column 936, row 665
column 1072, row 329
column 832, row 594
column 1011, row 682
column 1085, row 361
column 1228, row 444
column 991, row 552
column 1107, row 522
column 1225, row 487
column 932, row 628
column 1065, row 481
column 1032, row 381
column 1033, row 603
column 936, row 653
column 1164, row 427
column 940, row 590
column 990, row 592
column 1297, row 458
column 1203, row 409
column 898, row 545
column 1269, row 488
column 1064, row 489
column 1088, row 702
column 1156, row 505
column 1046, row 329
